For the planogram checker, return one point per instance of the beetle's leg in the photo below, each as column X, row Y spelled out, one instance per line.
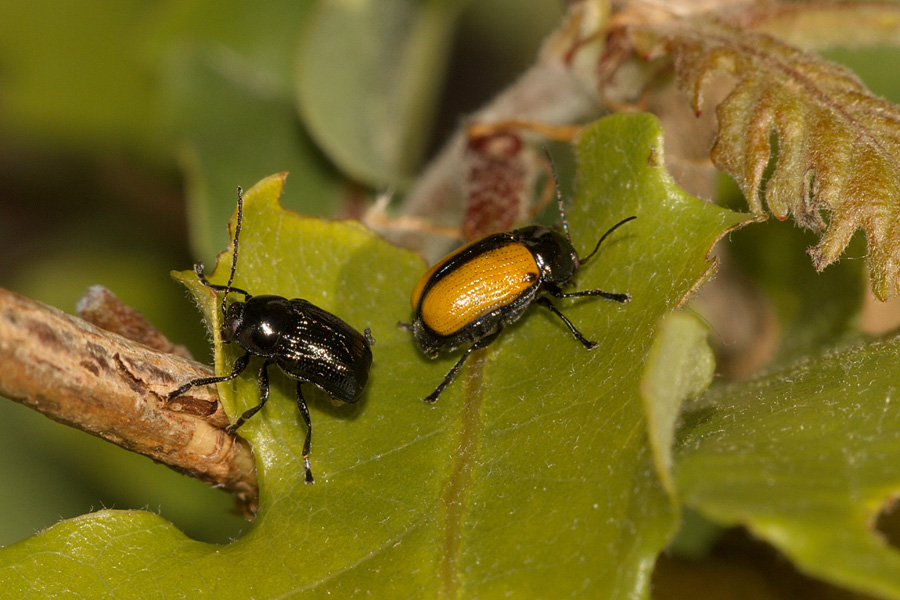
column 198, row 270
column 263, row 397
column 558, row 293
column 304, row 412
column 584, row 341
column 404, row 326
column 482, row 343
column 239, row 365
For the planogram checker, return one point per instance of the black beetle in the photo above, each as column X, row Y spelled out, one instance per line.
column 470, row 295
column 309, row 344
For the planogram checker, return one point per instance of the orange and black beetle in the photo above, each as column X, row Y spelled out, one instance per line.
column 470, row 295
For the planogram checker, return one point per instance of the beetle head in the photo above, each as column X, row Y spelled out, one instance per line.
column 553, row 253
column 233, row 322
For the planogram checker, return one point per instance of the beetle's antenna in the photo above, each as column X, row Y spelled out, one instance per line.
column 559, row 198
column 605, row 235
column 234, row 256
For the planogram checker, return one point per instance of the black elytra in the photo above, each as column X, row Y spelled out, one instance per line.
column 308, row 343
column 472, row 294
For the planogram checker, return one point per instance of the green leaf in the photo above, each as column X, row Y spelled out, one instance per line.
column 368, row 74
column 680, row 366
column 805, row 458
column 533, row 473
column 226, row 71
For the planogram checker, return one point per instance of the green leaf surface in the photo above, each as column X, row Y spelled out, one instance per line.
column 804, row 457
column 680, row 366
column 532, row 475
column 368, row 75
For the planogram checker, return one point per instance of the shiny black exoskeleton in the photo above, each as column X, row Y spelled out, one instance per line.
column 309, row 344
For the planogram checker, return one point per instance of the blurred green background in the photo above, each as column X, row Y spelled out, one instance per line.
column 125, row 127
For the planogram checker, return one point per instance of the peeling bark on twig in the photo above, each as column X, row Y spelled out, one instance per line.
column 102, row 308
column 114, row 388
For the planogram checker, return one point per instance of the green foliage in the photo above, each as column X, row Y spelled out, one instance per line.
column 367, row 79
column 544, row 468
column 680, row 366
column 110, row 111
column 518, row 463
column 226, row 91
column 805, row 457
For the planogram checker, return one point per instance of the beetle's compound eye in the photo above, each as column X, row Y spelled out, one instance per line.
column 234, row 320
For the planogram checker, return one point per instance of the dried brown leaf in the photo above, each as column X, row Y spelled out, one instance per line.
column 838, row 146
